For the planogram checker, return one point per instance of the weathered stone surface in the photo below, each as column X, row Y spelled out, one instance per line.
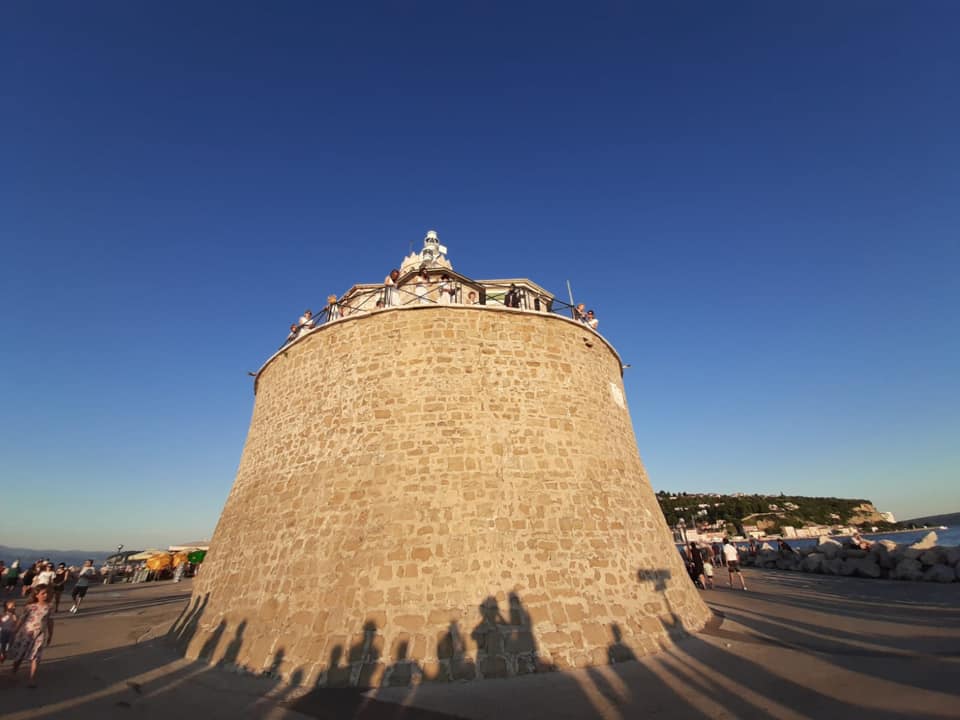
column 788, row 562
column 885, row 552
column 767, row 557
column 861, row 567
column 813, row 562
column 908, row 569
column 852, row 552
column 939, row 573
column 832, row 566
column 828, row 547
column 444, row 492
column 951, row 555
column 933, row 556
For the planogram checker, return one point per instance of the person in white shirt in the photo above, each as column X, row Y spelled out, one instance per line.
column 422, row 287
column 732, row 557
column 390, row 288
column 333, row 308
column 306, row 320
column 86, row 574
column 592, row 321
column 447, row 290
column 45, row 576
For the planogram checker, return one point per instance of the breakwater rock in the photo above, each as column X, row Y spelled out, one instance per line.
column 923, row 560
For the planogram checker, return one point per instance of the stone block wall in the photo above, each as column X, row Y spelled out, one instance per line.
column 439, row 492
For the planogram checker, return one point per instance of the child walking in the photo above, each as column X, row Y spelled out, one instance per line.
column 33, row 631
column 8, row 621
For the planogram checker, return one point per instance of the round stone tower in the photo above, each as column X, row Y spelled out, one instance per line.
column 439, row 491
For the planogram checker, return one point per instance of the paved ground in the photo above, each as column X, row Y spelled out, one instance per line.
column 795, row 646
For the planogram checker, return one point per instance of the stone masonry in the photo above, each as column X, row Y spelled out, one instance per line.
column 439, row 492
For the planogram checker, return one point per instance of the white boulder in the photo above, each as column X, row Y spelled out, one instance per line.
column 926, row 542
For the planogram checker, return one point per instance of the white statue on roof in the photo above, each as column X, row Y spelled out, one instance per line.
column 432, row 255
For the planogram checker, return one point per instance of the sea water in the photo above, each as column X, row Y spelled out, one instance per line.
column 950, row 536
column 945, row 538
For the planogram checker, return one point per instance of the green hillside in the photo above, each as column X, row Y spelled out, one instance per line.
column 772, row 511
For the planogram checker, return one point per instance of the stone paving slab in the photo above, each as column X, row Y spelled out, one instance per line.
column 794, row 646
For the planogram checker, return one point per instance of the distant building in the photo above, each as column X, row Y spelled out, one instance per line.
column 888, row 517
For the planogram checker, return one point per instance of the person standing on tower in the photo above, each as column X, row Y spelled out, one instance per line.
column 422, row 286
column 591, row 320
column 446, row 289
column 333, row 308
column 306, row 321
column 390, row 288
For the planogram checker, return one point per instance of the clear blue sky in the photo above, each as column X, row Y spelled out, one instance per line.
column 759, row 199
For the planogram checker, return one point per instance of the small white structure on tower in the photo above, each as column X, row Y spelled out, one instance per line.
column 433, row 254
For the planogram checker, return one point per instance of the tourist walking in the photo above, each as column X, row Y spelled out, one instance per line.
column 707, row 554
column 8, row 623
column 732, row 557
column 87, row 573
column 28, row 577
column 59, row 583
column 695, row 565
column 10, row 579
column 45, row 575
column 34, row 631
